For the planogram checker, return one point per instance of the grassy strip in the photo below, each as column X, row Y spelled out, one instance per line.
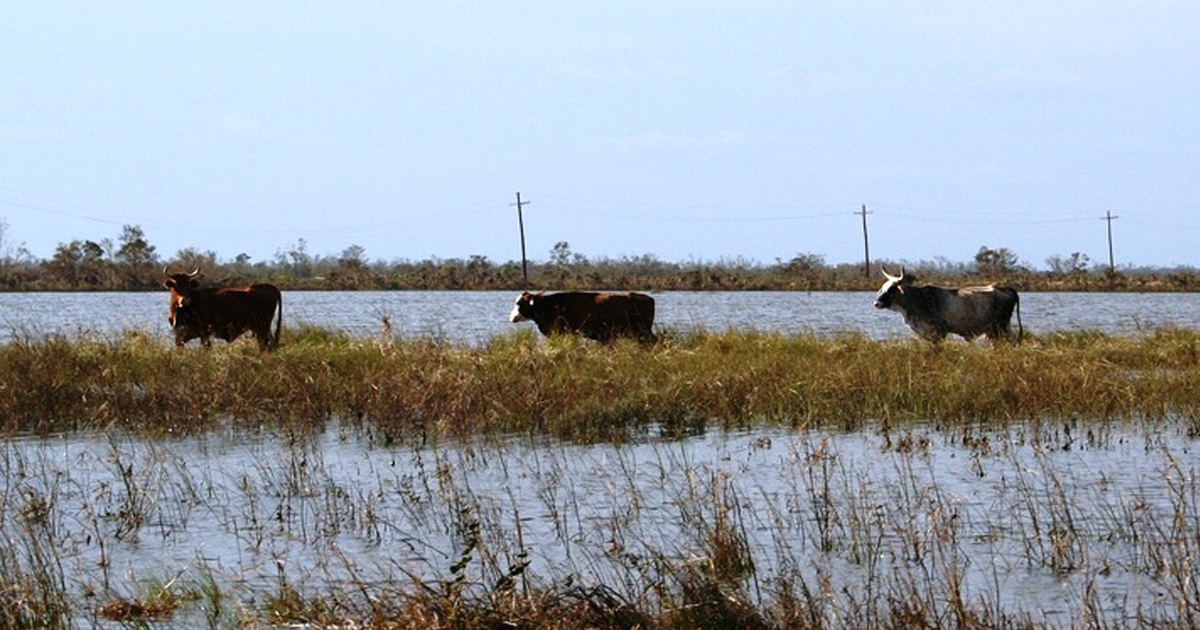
column 574, row 389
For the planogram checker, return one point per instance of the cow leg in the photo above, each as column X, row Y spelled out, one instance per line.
column 928, row 330
column 263, row 337
column 999, row 331
column 183, row 334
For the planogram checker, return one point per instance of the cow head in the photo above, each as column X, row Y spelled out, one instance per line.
column 893, row 288
column 182, row 283
column 181, row 286
column 523, row 309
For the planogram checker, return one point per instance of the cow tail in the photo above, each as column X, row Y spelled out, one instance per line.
column 1020, row 328
column 279, row 324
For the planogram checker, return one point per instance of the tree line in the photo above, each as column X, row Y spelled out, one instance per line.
column 129, row 262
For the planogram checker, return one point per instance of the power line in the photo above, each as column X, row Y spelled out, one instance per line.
column 1154, row 223
column 45, row 206
column 962, row 221
column 42, row 205
column 697, row 219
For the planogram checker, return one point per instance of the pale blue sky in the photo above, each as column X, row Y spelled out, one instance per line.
column 687, row 130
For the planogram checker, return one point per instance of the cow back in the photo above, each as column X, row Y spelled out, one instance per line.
column 973, row 311
column 598, row 316
column 228, row 312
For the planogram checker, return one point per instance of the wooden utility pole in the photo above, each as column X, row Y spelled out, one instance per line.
column 521, row 223
column 866, row 243
column 1108, row 217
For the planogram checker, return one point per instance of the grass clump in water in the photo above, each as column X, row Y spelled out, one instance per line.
column 584, row 391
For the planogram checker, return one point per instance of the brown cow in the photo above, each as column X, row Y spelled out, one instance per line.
column 599, row 316
column 224, row 312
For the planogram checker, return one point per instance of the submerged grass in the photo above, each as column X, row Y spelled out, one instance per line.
column 582, row 391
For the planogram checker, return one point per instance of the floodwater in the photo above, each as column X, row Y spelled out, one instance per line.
column 1038, row 520
column 475, row 316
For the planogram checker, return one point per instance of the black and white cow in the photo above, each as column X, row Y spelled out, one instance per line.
column 934, row 312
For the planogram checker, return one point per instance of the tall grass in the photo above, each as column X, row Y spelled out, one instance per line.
column 574, row 389
column 33, row 591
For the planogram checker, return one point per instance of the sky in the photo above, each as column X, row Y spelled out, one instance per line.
column 690, row 131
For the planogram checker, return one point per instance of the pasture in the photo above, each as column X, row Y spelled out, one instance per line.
column 716, row 479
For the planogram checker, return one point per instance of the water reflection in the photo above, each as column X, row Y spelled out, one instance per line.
column 1035, row 517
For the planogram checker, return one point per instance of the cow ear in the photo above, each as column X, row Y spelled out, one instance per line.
column 169, row 283
column 900, row 288
column 195, row 284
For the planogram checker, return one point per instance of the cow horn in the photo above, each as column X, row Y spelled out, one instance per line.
column 194, row 273
column 890, row 276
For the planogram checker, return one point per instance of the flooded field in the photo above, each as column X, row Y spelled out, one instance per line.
column 1047, row 484
column 1063, row 523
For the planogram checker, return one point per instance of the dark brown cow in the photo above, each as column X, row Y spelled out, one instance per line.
column 935, row 312
column 224, row 312
column 599, row 316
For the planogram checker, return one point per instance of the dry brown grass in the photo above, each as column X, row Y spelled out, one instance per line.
column 406, row 388
column 582, row 391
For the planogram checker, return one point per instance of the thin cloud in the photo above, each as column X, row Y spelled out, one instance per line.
column 649, row 73
column 1020, row 78
column 662, row 141
column 235, row 129
column 15, row 134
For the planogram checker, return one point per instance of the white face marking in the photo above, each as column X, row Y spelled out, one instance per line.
column 516, row 316
column 887, row 286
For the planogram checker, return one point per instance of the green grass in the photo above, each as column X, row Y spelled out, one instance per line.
column 582, row 391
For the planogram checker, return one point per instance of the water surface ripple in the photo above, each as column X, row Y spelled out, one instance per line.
column 1034, row 518
column 475, row 316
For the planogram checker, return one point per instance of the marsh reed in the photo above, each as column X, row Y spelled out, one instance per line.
column 577, row 390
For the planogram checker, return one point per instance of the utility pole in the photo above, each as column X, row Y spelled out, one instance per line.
column 866, row 243
column 521, row 222
column 1108, row 217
